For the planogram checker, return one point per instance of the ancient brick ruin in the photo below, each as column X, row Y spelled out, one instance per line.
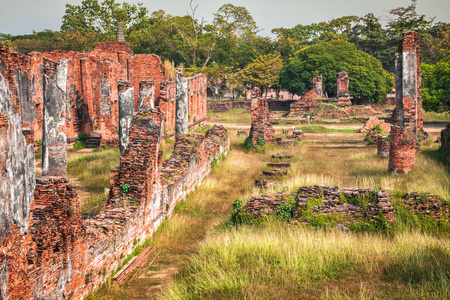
column 261, row 127
column 309, row 102
column 331, row 202
column 91, row 88
column 342, row 92
column 47, row 251
column 407, row 115
column 347, row 202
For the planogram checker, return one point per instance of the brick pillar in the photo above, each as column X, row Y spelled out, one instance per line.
column 126, row 110
column 54, row 140
column 342, row 89
column 318, row 86
column 146, row 95
column 404, row 131
column 182, row 108
column 383, row 146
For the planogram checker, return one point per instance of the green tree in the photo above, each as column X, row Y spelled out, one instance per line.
column 103, row 17
column 368, row 80
column 436, row 86
column 263, row 72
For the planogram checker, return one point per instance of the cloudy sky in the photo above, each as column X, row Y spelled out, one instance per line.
column 24, row 16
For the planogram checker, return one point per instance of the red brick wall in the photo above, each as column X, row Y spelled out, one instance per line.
column 261, row 126
column 92, row 87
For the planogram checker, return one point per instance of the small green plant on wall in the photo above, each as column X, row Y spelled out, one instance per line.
column 125, row 187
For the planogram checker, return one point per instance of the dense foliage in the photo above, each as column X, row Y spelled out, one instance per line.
column 368, row 80
column 229, row 47
column 436, row 86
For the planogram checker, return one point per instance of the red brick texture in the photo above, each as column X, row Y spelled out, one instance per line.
column 92, row 87
column 261, row 127
column 407, row 115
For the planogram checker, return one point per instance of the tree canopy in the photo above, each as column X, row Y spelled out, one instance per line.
column 436, row 86
column 368, row 80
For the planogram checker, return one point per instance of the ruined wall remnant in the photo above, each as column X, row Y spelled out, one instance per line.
column 406, row 114
column 261, row 127
column 17, row 169
column 92, row 88
column 46, row 250
column 54, row 140
column 342, row 89
column 126, row 110
column 318, row 86
column 182, row 112
column 139, row 161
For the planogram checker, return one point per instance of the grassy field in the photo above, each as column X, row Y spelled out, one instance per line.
column 204, row 257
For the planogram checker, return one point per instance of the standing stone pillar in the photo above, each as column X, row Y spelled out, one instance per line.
column 182, row 107
column 126, row 110
column 146, row 95
column 402, row 152
column 54, row 139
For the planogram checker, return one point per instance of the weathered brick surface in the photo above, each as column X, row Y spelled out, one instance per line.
column 92, row 87
column 372, row 123
column 382, row 146
column 46, row 250
column 330, row 204
column 407, row 115
column 261, row 126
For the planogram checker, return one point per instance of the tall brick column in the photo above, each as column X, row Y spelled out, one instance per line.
column 318, row 86
column 54, row 140
column 182, row 107
column 146, row 95
column 261, row 126
column 126, row 110
column 342, row 89
column 403, row 143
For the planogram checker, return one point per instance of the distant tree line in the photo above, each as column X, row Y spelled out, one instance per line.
column 234, row 56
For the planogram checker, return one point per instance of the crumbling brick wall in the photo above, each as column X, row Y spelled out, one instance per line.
column 92, row 87
column 330, row 202
column 261, row 127
column 406, row 115
column 46, row 250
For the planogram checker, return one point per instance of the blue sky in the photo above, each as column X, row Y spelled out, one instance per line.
column 24, row 16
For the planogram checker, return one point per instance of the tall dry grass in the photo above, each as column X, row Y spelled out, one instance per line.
column 280, row 262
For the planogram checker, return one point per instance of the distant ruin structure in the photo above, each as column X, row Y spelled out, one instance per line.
column 261, row 127
column 342, row 89
column 310, row 101
column 407, row 115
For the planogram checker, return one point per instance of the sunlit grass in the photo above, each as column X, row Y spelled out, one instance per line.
column 93, row 170
column 280, row 262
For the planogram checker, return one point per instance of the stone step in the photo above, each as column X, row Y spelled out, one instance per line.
column 333, row 141
column 279, row 165
column 336, row 145
column 282, row 156
column 93, row 140
column 275, row 172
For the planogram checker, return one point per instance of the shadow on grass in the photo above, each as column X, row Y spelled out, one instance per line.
column 439, row 156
